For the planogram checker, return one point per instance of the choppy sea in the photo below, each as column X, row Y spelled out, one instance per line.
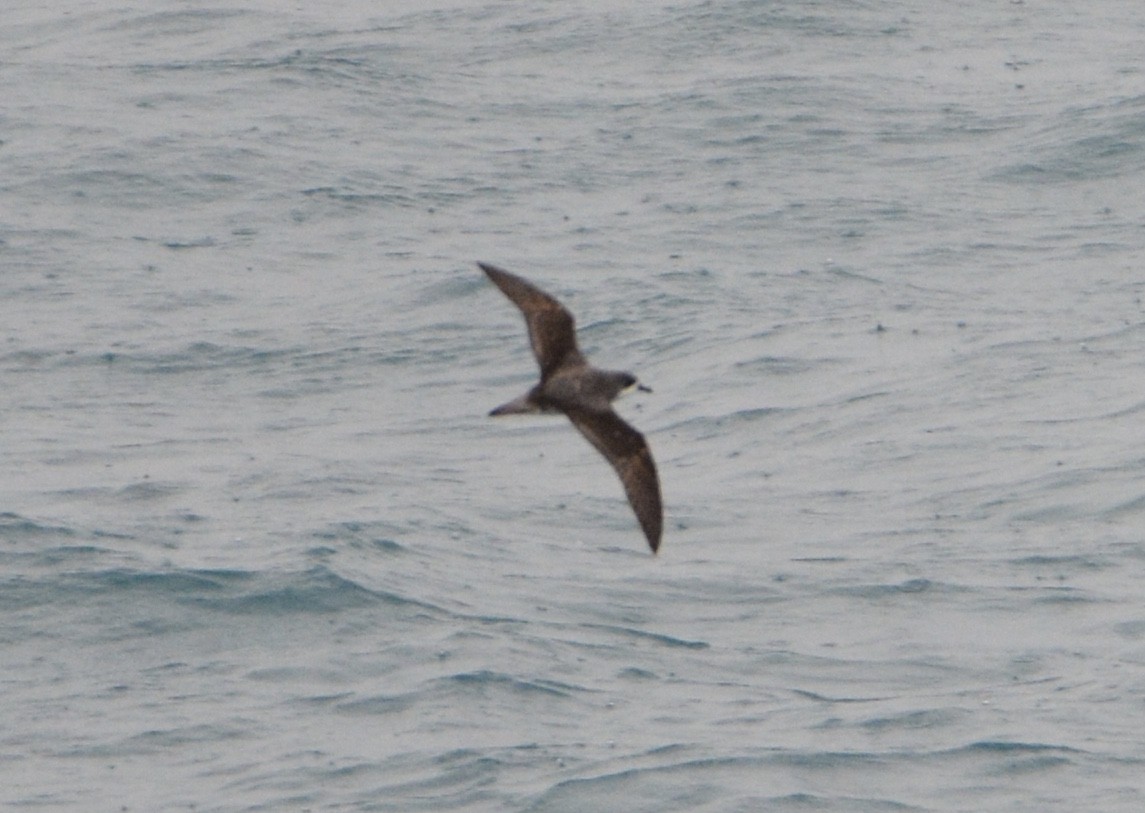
column 882, row 264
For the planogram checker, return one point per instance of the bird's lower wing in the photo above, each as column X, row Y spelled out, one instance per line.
column 628, row 452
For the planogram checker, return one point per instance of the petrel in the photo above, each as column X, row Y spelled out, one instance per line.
column 585, row 394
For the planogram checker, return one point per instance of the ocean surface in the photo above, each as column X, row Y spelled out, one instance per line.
column 882, row 264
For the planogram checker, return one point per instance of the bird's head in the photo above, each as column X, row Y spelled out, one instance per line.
column 628, row 382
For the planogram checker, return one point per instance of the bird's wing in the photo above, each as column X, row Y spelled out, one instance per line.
column 628, row 452
column 552, row 330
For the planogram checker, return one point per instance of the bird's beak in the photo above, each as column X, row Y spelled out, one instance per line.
column 643, row 388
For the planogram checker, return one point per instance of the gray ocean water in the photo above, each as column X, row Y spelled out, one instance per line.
column 881, row 263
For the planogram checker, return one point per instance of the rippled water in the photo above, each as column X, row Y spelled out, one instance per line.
column 262, row 549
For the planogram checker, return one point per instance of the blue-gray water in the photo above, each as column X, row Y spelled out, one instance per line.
column 262, row 549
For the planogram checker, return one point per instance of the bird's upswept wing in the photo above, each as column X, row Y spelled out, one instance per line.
column 552, row 330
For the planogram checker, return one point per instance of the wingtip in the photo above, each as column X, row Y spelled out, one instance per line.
column 497, row 275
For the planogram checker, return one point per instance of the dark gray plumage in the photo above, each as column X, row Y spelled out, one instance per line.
column 585, row 394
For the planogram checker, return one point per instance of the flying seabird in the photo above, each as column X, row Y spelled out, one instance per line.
column 585, row 394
